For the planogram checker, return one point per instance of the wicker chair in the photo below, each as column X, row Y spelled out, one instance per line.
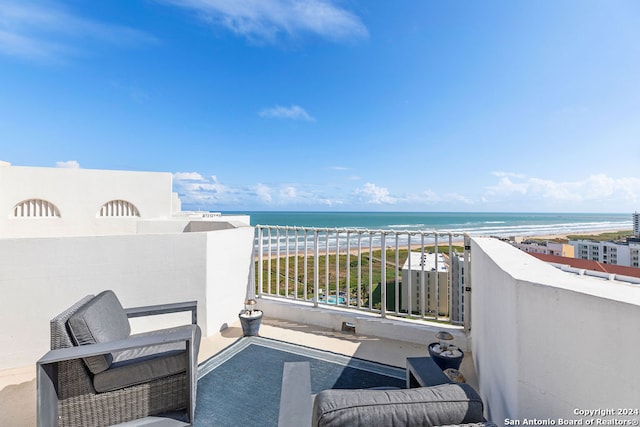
column 143, row 376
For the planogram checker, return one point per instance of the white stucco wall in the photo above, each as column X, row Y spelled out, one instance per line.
column 547, row 342
column 228, row 272
column 79, row 194
column 367, row 324
column 40, row 277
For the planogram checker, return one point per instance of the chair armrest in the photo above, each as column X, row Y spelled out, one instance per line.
column 152, row 310
column 69, row 353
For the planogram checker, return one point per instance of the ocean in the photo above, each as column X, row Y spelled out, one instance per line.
column 473, row 223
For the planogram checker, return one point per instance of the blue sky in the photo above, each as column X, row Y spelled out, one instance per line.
column 368, row 105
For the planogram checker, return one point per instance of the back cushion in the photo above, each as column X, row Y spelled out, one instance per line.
column 100, row 320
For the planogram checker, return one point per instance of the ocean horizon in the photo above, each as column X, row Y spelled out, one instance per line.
column 501, row 224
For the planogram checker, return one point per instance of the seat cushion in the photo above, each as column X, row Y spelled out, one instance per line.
column 425, row 406
column 100, row 320
column 144, row 364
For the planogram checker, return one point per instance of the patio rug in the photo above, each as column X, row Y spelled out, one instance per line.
column 240, row 386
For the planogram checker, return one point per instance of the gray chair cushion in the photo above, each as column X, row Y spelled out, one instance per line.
column 141, row 365
column 425, row 406
column 100, row 320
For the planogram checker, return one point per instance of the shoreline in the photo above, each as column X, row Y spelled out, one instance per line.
column 444, row 243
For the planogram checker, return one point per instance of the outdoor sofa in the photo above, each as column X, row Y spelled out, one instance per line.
column 439, row 405
column 99, row 374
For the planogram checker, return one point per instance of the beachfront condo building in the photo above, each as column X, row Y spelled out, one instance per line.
column 546, row 248
column 422, row 274
column 625, row 253
column 618, row 253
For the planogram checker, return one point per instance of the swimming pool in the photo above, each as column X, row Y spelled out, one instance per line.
column 332, row 300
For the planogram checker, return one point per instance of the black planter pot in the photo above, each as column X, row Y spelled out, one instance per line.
column 250, row 324
column 445, row 362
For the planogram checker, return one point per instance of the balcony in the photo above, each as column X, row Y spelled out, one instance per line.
column 541, row 343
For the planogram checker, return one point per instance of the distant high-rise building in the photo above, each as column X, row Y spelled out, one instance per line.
column 636, row 224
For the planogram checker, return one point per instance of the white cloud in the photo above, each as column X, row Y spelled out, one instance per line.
column 371, row 193
column 188, row 176
column 264, row 193
column 269, row 20
column 295, row 112
column 507, row 186
column 597, row 188
column 49, row 32
column 288, row 192
column 511, row 191
column 69, row 164
column 196, row 190
column 508, row 174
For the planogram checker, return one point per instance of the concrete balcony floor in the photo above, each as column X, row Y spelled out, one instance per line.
column 18, row 386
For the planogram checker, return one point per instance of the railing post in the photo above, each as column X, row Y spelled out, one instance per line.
column 260, row 259
column 383, row 279
column 348, row 275
column 286, row 261
column 306, row 263
column 397, row 283
column 436, row 293
column 316, row 265
column 424, row 290
column 450, row 283
column 269, row 261
column 337, row 267
column 327, row 283
column 359, row 284
column 409, row 276
column 370, row 270
column 295, row 263
column 278, row 260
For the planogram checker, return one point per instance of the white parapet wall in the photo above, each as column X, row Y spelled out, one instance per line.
column 75, row 198
column 40, row 277
column 548, row 344
column 365, row 324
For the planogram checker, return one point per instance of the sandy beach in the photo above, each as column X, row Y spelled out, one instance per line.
column 443, row 243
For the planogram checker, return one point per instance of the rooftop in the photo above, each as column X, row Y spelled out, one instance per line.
column 18, row 386
column 584, row 264
column 541, row 342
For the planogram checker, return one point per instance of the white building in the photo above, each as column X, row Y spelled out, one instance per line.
column 67, row 233
column 60, row 202
column 618, row 253
column 546, row 248
column 420, row 274
column 458, row 287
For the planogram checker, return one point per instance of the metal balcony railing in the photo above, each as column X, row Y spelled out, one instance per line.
column 410, row 274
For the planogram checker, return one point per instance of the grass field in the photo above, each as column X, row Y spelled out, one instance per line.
column 336, row 274
column 602, row 237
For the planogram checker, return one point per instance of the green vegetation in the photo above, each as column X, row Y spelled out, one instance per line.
column 603, row 237
column 279, row 274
